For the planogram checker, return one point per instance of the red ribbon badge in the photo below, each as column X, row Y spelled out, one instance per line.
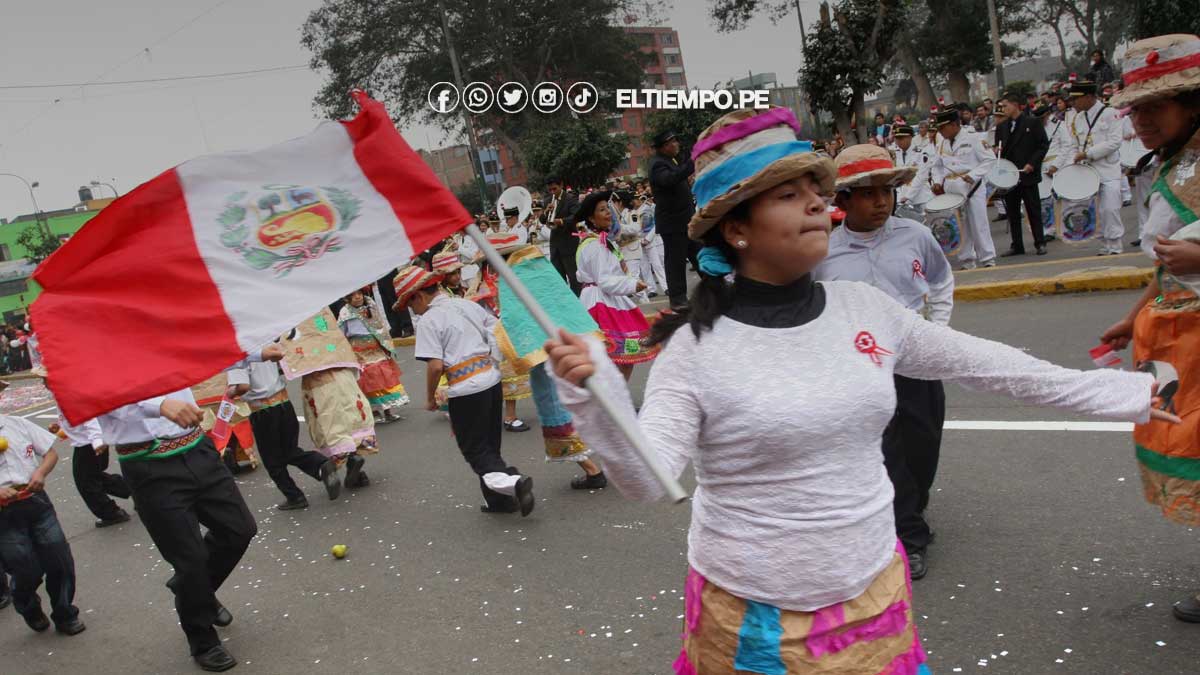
column 865, row 343
column 917, row 270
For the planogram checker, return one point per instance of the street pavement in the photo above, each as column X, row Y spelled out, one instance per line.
column 1047, row 559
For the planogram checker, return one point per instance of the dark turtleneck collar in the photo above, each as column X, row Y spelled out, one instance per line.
column 764, row 305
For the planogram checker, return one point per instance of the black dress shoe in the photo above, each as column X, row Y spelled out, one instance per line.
column 215, row 660
column 488, row 508
column 354, row 465
column 72, row 627
column 917, row 566
column 121, row 517
column 1188, row 609
column 293, row 505
column 328, row 473
column 1012, row 252
column 524, row 495
column 224, row 616
column 1136, row 243
column 516, row 425
column 1041, row 250
column 38, row 622
column 585, row 482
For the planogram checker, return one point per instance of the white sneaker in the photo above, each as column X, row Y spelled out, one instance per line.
column 990, row 263
column 967, row 266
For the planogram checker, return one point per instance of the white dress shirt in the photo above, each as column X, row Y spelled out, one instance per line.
column 454, row 330
column 143, row 422
column 88, row 433
column 1096, row 132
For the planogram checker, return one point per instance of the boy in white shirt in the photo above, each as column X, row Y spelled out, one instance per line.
column 901, row 258
column 455, row 338
column 32, row 543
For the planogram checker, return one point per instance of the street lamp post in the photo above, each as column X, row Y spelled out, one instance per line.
column 37, row 211
column 97, row 183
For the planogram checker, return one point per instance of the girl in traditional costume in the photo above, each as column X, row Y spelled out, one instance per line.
column 366, row 327
column 1162, row 86
column 795, row 566
column 609, row 287
column 337, row 413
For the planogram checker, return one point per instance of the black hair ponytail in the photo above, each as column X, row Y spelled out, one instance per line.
column 712, row 297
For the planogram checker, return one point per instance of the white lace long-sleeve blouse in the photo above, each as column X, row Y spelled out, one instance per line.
column 784, row 428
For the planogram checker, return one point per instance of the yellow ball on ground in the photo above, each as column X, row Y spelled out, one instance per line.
column 338, row 551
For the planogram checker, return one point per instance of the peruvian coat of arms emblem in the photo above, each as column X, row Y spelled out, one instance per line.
column 283, row 227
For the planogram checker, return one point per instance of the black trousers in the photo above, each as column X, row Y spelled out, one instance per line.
column 1027, row 194
column 478, row 422
column 912, row 443
column 33, row 547
column 277, row 435
column 174, row 496
column 94, row 485
column 677, row 251
column 562, row 256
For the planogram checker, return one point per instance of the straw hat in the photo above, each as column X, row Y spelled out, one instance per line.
column 745, row 153
column 1159, row 67
column 446, row 262
column 410, row 280
column 865, row 165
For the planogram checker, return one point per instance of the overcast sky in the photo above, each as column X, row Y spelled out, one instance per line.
column 130, row 133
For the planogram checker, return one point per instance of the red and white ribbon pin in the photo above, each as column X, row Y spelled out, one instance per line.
column 865, row 343
column 918, row 271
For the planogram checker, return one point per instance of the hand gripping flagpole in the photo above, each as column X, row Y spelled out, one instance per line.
column 628, row 427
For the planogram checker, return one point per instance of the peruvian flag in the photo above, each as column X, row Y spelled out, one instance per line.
column 192, row 270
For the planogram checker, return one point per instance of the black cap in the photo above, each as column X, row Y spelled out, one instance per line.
column 905, row 130
column 1083, row 88
column 945, row 117
column 663, row 137
column 1041, row 110
column 512, row 211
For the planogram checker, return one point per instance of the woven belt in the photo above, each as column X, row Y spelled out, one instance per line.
column 159, row 446
column 272, row 400
column 461, row 372
column 362, row 343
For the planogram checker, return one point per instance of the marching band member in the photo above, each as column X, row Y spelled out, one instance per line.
column 961, row 163
column 1056, row 129
column 1094, row 137
column 916, row 190
column 1143, row 178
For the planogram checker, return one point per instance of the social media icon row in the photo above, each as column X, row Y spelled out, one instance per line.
column 513, row 97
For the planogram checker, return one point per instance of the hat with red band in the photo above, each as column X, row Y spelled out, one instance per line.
column 446, row 262
column 1159, row 67
column 869, row 165
column 410, row 280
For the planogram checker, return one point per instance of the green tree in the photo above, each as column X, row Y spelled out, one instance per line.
column 955, row 40
column 580, row 151
column 468, row 194
column 396, row 50
column 38, row 246
column 1161, row 17
column 845, row 58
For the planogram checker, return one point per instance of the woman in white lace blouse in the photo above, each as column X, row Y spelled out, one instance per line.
column 777, row 389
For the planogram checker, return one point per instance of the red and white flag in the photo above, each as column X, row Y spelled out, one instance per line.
column 186, row 274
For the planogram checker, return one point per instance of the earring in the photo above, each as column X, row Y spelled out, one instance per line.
column 741, row 243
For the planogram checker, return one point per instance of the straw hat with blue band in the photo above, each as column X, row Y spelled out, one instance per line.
column 748, row 152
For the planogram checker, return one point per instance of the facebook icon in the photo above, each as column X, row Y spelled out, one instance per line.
column 443, row 97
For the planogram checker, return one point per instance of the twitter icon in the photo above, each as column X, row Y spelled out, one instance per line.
column 512, row 97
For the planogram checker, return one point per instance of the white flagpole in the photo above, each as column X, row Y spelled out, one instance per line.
column 628, row 427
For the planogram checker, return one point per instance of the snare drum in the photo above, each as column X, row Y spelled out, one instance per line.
column 1004, row 176
column 914, row 209
column 944, row 215
column 1077, row 187
column 1131, row 151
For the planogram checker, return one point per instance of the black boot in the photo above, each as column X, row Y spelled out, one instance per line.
column 215, row 660
column 354, row 474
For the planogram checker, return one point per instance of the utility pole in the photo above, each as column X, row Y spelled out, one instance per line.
column 997, row 55
column 803, row 37
column 476, row 162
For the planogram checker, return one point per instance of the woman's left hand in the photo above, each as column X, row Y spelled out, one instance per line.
column 1179, row 256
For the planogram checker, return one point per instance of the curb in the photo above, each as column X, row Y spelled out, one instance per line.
column 1110, row 279
column 15, row 377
